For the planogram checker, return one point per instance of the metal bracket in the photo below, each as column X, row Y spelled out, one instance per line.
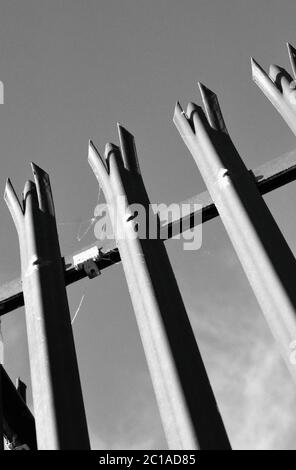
column 91, row 268
column 87, row 260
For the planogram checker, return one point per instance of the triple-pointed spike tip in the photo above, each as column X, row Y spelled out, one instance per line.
column 212, row 108
column 92, row 145
column 179, row 115
column 207, row 95
column 178, row 109
column 43, row 188
column 92, row 149
column 112, row 149
column 191, row 107
column 128, row 149
column 35, row 167
column 109, row 147
column 94, row 155
column 123, row 132
column 13, row 203
column 8, row 189
column 38, row 171
column 121, row 128
column 255, row 67
column 274, row 70
column 291, row 48
column 259, row 76
column 8, row 184
column 29, row 186
column 205, row 91
column 292, row 56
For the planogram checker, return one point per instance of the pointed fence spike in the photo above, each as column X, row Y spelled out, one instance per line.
column 212, row 108
column 292, row 57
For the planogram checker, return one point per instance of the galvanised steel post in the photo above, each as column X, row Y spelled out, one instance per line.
column 185, row 399
column 279, row 87
column 57, row 396
column 263, row 251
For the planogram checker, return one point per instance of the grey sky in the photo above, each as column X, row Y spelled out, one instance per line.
column 71, row 70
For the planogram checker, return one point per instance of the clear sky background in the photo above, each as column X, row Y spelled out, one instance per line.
column 71, row 70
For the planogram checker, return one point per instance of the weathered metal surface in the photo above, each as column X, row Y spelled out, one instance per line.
column 185, row 399
column 279, row 87
column 263, row 251
column 57, row 396
column 269, row 176
column 19, row 423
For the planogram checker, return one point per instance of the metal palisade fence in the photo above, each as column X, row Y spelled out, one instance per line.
column 186, row 402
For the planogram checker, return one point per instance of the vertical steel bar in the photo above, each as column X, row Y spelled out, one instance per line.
column 57, row 396
column 263, row 251
column 185, row 398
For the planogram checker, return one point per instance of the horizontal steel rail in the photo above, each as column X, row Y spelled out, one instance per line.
column 269, row 176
